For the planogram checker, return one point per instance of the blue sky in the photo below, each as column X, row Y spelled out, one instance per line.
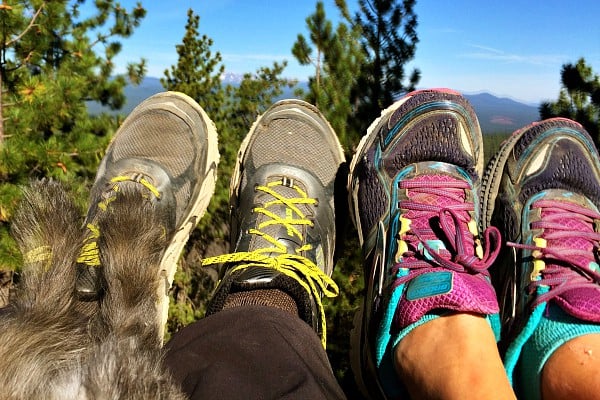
column 508, row 48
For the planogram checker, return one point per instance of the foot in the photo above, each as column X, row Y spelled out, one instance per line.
column 542, row 189
column 168, row 148
column 414, row 192
column 283, row 214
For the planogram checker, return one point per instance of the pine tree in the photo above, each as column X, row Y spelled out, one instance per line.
column 52, row 61
column 233, row 109
column 321, row 34
column 337, row 63
column 389, row 38
column 337, row 56
column 256, row 92
column 198, row 71
column 198, row 74
column 579, row 98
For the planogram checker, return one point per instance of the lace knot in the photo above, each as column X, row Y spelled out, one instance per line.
column 437, row 230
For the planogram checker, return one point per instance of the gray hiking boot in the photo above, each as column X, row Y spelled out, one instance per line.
column 167, row 146
column 283, row 213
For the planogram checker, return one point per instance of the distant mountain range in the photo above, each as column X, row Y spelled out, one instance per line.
column 500, row 114
column 496, row 114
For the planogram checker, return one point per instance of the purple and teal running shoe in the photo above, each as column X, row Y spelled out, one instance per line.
column 542, row 190
column 414, row 189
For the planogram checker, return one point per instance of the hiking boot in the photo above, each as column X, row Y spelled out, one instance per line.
column 542, row 189
column 283, row 213
column 167, row 146
column 414, row 197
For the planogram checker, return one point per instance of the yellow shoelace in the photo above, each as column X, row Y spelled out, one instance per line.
column 89, row 251
column 298, row 267
column 41, row 254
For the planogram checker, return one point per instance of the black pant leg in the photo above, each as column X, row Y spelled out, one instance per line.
column 252, row 352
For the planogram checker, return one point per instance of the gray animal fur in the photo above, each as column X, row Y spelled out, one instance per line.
column 54, row 347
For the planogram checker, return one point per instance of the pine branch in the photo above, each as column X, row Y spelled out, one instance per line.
column 31, row 24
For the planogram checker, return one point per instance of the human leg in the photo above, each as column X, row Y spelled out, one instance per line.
column 283, row 229
column 571, row 372
column 251, row 352
column 543, row 192
column 414, row 193
column 472, row 368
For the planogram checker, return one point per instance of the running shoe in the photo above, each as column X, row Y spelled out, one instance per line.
column 167, row 147
column 542, row 189
column 283, row 223
column 414, row 188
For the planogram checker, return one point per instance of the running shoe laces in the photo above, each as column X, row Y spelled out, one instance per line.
column 422, row 245
column 89, row 254
column 276, row 256
column 565, row 254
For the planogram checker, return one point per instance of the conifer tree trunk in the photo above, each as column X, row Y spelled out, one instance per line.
column 1, row 112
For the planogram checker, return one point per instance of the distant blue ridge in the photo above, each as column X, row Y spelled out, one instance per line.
column 495, row 114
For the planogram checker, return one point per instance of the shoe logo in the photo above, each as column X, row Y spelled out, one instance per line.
column 429, row 285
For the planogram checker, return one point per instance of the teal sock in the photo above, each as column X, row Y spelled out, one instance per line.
column 554, row 328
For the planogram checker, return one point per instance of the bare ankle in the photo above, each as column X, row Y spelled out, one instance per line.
column 443, row 357
column 571, row 371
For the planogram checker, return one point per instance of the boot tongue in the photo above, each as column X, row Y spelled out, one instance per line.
column 283, row 234
column 147, row 175
column 280, row 222
column 438, row 214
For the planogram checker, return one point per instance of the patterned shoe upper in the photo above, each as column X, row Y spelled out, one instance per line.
column 565, row 240
column 424, row 126
column 542, row 189
column 439, row 253
column 546, row 203
column 414, row 187
column 417, row 175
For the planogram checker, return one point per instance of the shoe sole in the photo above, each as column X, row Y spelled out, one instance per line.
column 357, row 344
column 355, row 352
column 492, row 176
column 367, row 384
column 168, row 264
column 490, row 185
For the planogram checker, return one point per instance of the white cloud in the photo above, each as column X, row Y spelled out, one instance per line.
column 493, row 54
